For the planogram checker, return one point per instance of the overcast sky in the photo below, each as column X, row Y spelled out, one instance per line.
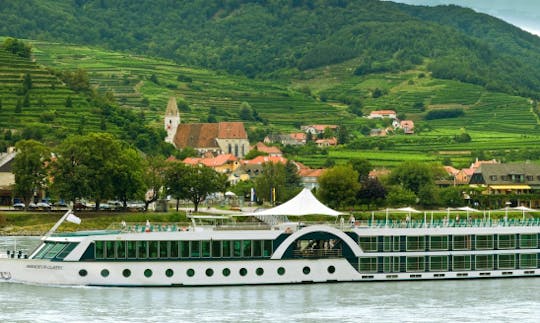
column 522, row 13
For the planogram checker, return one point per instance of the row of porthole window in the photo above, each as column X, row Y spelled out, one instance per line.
column 209, row 272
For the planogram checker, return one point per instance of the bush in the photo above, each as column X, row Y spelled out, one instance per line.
column 444, row 114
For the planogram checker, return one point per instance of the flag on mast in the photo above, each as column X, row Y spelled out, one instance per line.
column 73, row 218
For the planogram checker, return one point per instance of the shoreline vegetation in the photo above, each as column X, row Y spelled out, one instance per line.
column 21, row 223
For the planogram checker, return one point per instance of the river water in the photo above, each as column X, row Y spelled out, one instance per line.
column 494, row 300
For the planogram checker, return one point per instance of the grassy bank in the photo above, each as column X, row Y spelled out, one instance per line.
column 34, row 223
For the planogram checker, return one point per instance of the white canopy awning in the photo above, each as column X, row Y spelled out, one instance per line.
column 304, row 203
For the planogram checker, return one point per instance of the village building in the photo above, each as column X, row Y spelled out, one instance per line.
column 254, row 167
column 318, row 129
column 269, row 150
column 322, row 143
column 512, row 179
column 407, row 126
column 381, row 114
column 7, row 178
column 309, row 176
column 216, row 138
column 225, row 163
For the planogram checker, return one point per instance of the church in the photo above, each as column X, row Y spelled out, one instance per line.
column 216, row 138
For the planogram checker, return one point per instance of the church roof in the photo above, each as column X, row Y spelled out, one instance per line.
column 204, row 135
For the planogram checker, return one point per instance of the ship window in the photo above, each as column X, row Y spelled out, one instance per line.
column 259, row 271
column 131, row 250
column 66, row 250
column 461, row 242
column 99, row 249
column 153, row 249
column 506, row 261
column 45, row 249
column 105, row 273
column 246, row 248
column 174, row 249
column 226, row 272
column 195, row 249
column 184, row 249
column 216, row 249
column 438, row 263
column 281, row 271
column 243, row 271
column 209, row 272
column 438, row 243
column 190, row 272
column 205, row 246
column 126, row 273
column 484, row 262
column 528, row 241
column 306, row 270
column 142, row 250
column 506, row 241
column 368, row 243
column 416, row 243
column 237, row 248
column 257, row 248
column 83, row 272
column 331, row 269
column 267, row 248
column 391, row 264
column 461, row 262
column 528, row 260
column 226, row 248
column 484, row 241
column 120, row 249
column 109, row 249
column 415, row 263
column 397, row 245
column 164, row 249
column 367, row 264
column 387, row 243
column 169, row 272
column 54, row 250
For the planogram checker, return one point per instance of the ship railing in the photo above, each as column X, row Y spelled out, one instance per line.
column 175, row 227
column 443, row 223
column 317, row 253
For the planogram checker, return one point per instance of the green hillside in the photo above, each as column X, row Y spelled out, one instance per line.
column 281, row 38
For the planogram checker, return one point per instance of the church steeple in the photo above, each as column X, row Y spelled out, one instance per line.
column 172, row 119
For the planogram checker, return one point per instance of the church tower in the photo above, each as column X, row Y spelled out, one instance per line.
column 172, row 120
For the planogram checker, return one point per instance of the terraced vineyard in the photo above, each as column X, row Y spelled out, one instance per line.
column 129, row 78
column 46, row 108
column 495, row 121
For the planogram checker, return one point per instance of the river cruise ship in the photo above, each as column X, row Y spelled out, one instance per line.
column 281, row 252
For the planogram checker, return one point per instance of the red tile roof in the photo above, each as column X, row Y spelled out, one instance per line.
column 266, row 159
column 270, row 150
column 219, row 160
column 204, row 135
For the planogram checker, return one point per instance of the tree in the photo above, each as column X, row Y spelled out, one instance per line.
column 86, row 167
column 338, row 186
column 128, row 176
column 30, row 169
column 154, row 177
column 362, row 166
column 372, row 192
column 413, row 175
column 271, row 183
column 245, row 112
column 342, row 135
column 399, row 196
column 27, row 82
column 17, row 47
column 194, row 183
column 254, row 153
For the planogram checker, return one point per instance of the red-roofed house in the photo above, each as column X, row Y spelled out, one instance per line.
column 379, row 114
column 317, row 128
column 326, row 142
column 225, row 163
column 310, row 177
column 407, row 126
column 270, row 150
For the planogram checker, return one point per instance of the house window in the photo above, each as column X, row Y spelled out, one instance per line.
column 530, row 178
column 236, row 150
column 243, row 151
column 493, row 177
column 230, row 149
column 504, row 178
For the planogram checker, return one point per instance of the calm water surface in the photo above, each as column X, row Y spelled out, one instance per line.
column 502, row 300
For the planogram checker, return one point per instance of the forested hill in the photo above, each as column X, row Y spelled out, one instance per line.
column 273, row 38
